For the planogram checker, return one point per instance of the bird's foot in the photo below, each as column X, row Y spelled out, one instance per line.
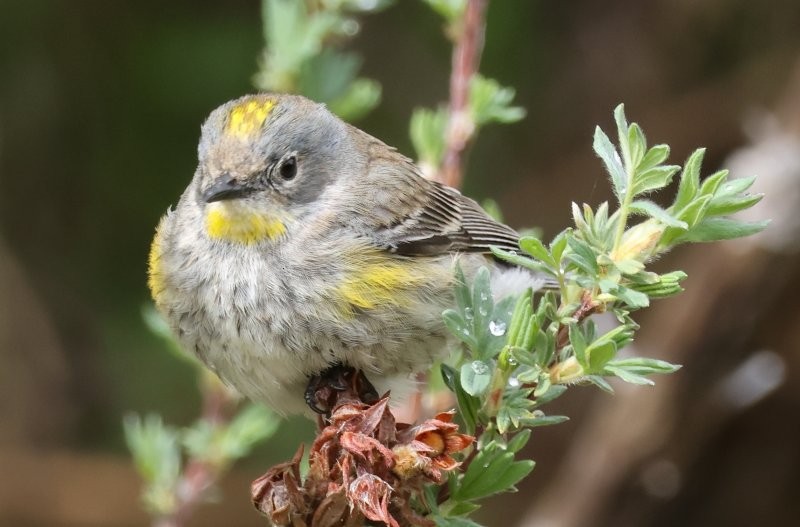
column 336, row 385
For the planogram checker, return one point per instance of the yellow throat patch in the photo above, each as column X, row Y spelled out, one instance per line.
column 247, row 118
column 239, row 225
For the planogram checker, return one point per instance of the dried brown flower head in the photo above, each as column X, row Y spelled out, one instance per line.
column 362, row 466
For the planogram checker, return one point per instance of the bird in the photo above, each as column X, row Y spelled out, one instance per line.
column 302, row 245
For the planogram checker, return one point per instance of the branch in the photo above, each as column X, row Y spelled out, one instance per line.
column 466, row 57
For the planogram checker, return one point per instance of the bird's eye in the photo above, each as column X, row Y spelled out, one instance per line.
column 288, row 168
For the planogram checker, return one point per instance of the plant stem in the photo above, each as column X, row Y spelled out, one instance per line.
column 200, row 475
column 466, row 58
column 622, row 221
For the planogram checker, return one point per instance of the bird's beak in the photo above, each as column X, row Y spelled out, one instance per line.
column 226, row 187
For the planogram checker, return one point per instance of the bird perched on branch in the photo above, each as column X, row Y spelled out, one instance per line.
column 303, row 245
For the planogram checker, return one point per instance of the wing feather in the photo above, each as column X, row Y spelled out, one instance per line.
column 427, row 218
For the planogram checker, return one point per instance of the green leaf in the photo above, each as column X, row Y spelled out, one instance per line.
column 600, row 383
column 627, row 376
column 715, row 229
column 463, row 294
column 482, row 301
column 649, row 208
column 637, row 144
column 545, row 347
column 490, row 102
column 558, row 245
column 515, row 473
column 621, row 335
column 475, row 377
column 155, row 447
column 482, row 313
column 622, row 135
column 712, row 183
column 199, row 440
column 427, row 131
column 521, row 261
column 735, row 186
column 599, row 355
column 654, row 178
column 602, row 229
column 665, row 285
column 605, row 150
column 520, row 320
column 631, row 297
column 654, row 157
column 543, row 385
column 495, row 473
column 488, row 456
column 577, row 217
column 459, row 328
column 724, row 205
column 327, row 75
column 249, row 427
column 578, row 342
column 553, row 392
column 528, row 335
column 629, row 267
column 518, row 442
column 545, row 420
column 536, row 248
column 644, row 366
column 467, row 405
column 157, row 457
column 690, row 180
column 695, row 211
column 361, row 97
column 582, row 255
column 293, row 36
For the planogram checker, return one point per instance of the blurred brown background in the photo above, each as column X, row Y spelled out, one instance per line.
column 100, row 107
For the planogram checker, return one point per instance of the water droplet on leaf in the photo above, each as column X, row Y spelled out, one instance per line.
column 479, row 367
column 498, row 329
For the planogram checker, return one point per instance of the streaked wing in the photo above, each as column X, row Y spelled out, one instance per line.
column 449, row 222
column 422, row 217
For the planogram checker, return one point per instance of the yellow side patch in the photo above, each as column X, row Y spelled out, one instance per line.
column 247, row 118
column 155, row 273
column 235, row 224
column 382, row 282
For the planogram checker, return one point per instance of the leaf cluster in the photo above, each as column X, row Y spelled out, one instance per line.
column 302, row 55
column 160, row 450
column 489, row 102
column 519, row 353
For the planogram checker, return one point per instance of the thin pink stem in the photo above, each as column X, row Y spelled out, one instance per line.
column 199, row 475
column 466, row 58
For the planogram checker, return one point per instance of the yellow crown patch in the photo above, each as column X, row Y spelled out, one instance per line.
column 247, row 118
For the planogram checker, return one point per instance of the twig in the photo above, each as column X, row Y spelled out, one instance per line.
column 200, row 475
column 466, row 57
column 588, row 307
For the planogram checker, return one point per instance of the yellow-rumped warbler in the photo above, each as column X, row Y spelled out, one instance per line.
column 303, row 243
